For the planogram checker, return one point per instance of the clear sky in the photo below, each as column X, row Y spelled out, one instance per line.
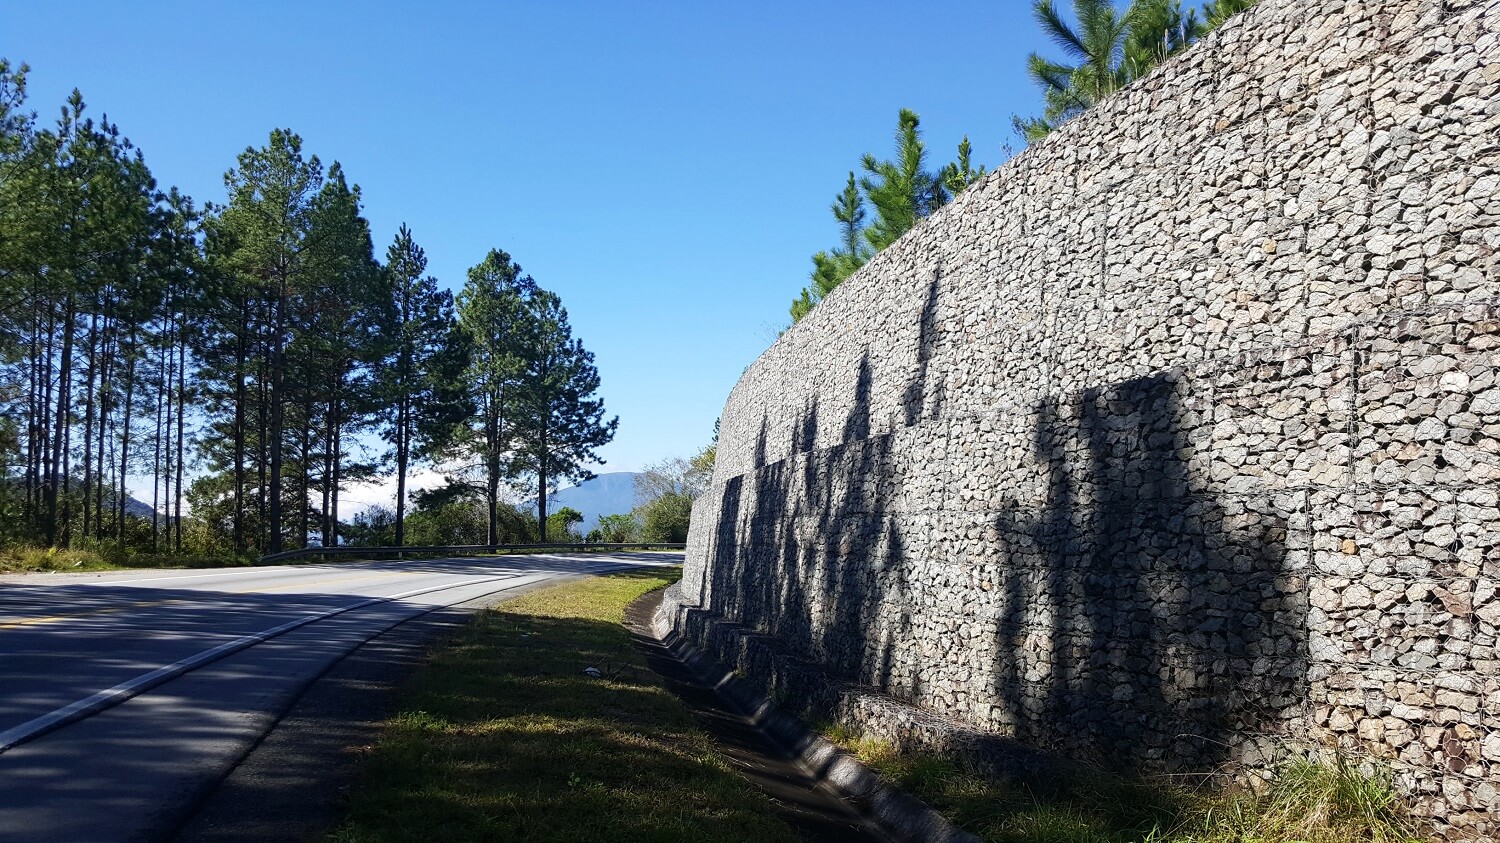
column 666, row 167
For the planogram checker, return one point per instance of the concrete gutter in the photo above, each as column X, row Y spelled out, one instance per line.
column 896, row 812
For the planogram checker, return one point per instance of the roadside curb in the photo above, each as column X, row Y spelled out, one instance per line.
column 896, row 812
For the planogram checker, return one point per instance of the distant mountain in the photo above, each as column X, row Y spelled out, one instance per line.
column 133, row 507
column 139, row 509
column 606, row 494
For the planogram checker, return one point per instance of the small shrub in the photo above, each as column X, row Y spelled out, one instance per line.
column 25, row 558
column 1334, row 801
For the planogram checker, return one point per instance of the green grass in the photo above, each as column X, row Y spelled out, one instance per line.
column 1308, row 802
column 501, row 736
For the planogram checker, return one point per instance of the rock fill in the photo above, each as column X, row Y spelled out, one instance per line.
column 1172, row 443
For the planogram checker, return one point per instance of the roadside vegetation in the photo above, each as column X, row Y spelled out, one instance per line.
column 194, row 379
column 503, row 736
column 1308, row 802
column 664, row 494
column 18, row 560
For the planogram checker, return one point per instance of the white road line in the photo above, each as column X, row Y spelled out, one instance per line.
column 17, row 735
column 110, row 697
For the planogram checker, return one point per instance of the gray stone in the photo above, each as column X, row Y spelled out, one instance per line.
column 1174, row 440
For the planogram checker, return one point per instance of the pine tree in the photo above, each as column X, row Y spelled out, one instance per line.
column 1216, row 12
column 1096, row 47
column 339, row 339
column 420, row 381
column 176, row 261
column 559, row 423
column 831, row 268
column 494, row 309
column 17, row 135
column 958, row 175
column 1109, row 49
column 1159, row 29
column 901, row 190
column 260, row 251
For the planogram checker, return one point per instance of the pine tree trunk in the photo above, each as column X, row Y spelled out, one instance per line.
column 541, row 505
column 35, row 427
column 277, row 420
column 125, row 442
column 333, row 513
column 45, row 476
column 541, row 491
column 57, row 513
column 181, row 437
column 262, row 460
column 239, row 435
column 105, row 373
column 163, row 419
column 492, row 455
column 402, row 444
column 328, row 460
column 88, row 421
column 305, row 486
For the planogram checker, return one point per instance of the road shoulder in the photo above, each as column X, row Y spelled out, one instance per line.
column 292, row 784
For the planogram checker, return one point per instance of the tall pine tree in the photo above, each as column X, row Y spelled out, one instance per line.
column 559, row 420
column 421, row 379
column 260, row 252
column 902, row 190
column 494, row 309
column 340, row 338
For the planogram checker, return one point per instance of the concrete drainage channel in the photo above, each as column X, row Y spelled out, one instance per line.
column 822, row 789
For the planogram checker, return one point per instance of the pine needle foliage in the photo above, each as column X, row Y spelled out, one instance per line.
column 251, row 342
column 1104, row 49
column 901, row 190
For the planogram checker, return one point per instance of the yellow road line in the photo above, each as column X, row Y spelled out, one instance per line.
column 89, row 613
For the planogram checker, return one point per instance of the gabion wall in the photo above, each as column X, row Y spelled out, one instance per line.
column 1175, row 440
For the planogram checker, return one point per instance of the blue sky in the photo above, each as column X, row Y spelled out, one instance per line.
column 665, row 167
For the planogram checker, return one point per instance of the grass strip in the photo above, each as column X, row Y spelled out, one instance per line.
column 29, row 560
column 1309, row 802
column 502, row 736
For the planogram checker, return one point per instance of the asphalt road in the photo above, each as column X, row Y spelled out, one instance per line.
column 126, row 697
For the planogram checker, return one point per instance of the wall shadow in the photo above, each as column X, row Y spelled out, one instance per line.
column 1146, row 620
column 805, row 553
column 1140, row 619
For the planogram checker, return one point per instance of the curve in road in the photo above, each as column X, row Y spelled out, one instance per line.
column 126, row 697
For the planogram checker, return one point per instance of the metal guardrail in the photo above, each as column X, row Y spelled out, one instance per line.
column 460, row 550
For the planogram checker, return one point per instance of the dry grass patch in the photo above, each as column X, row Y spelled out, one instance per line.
column 1335, row 802
column 23, row 560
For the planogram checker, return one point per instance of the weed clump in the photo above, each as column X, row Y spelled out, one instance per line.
column 1337, row 800
column 1317, row 801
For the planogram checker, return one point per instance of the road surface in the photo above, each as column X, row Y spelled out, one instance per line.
column 126, row 696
